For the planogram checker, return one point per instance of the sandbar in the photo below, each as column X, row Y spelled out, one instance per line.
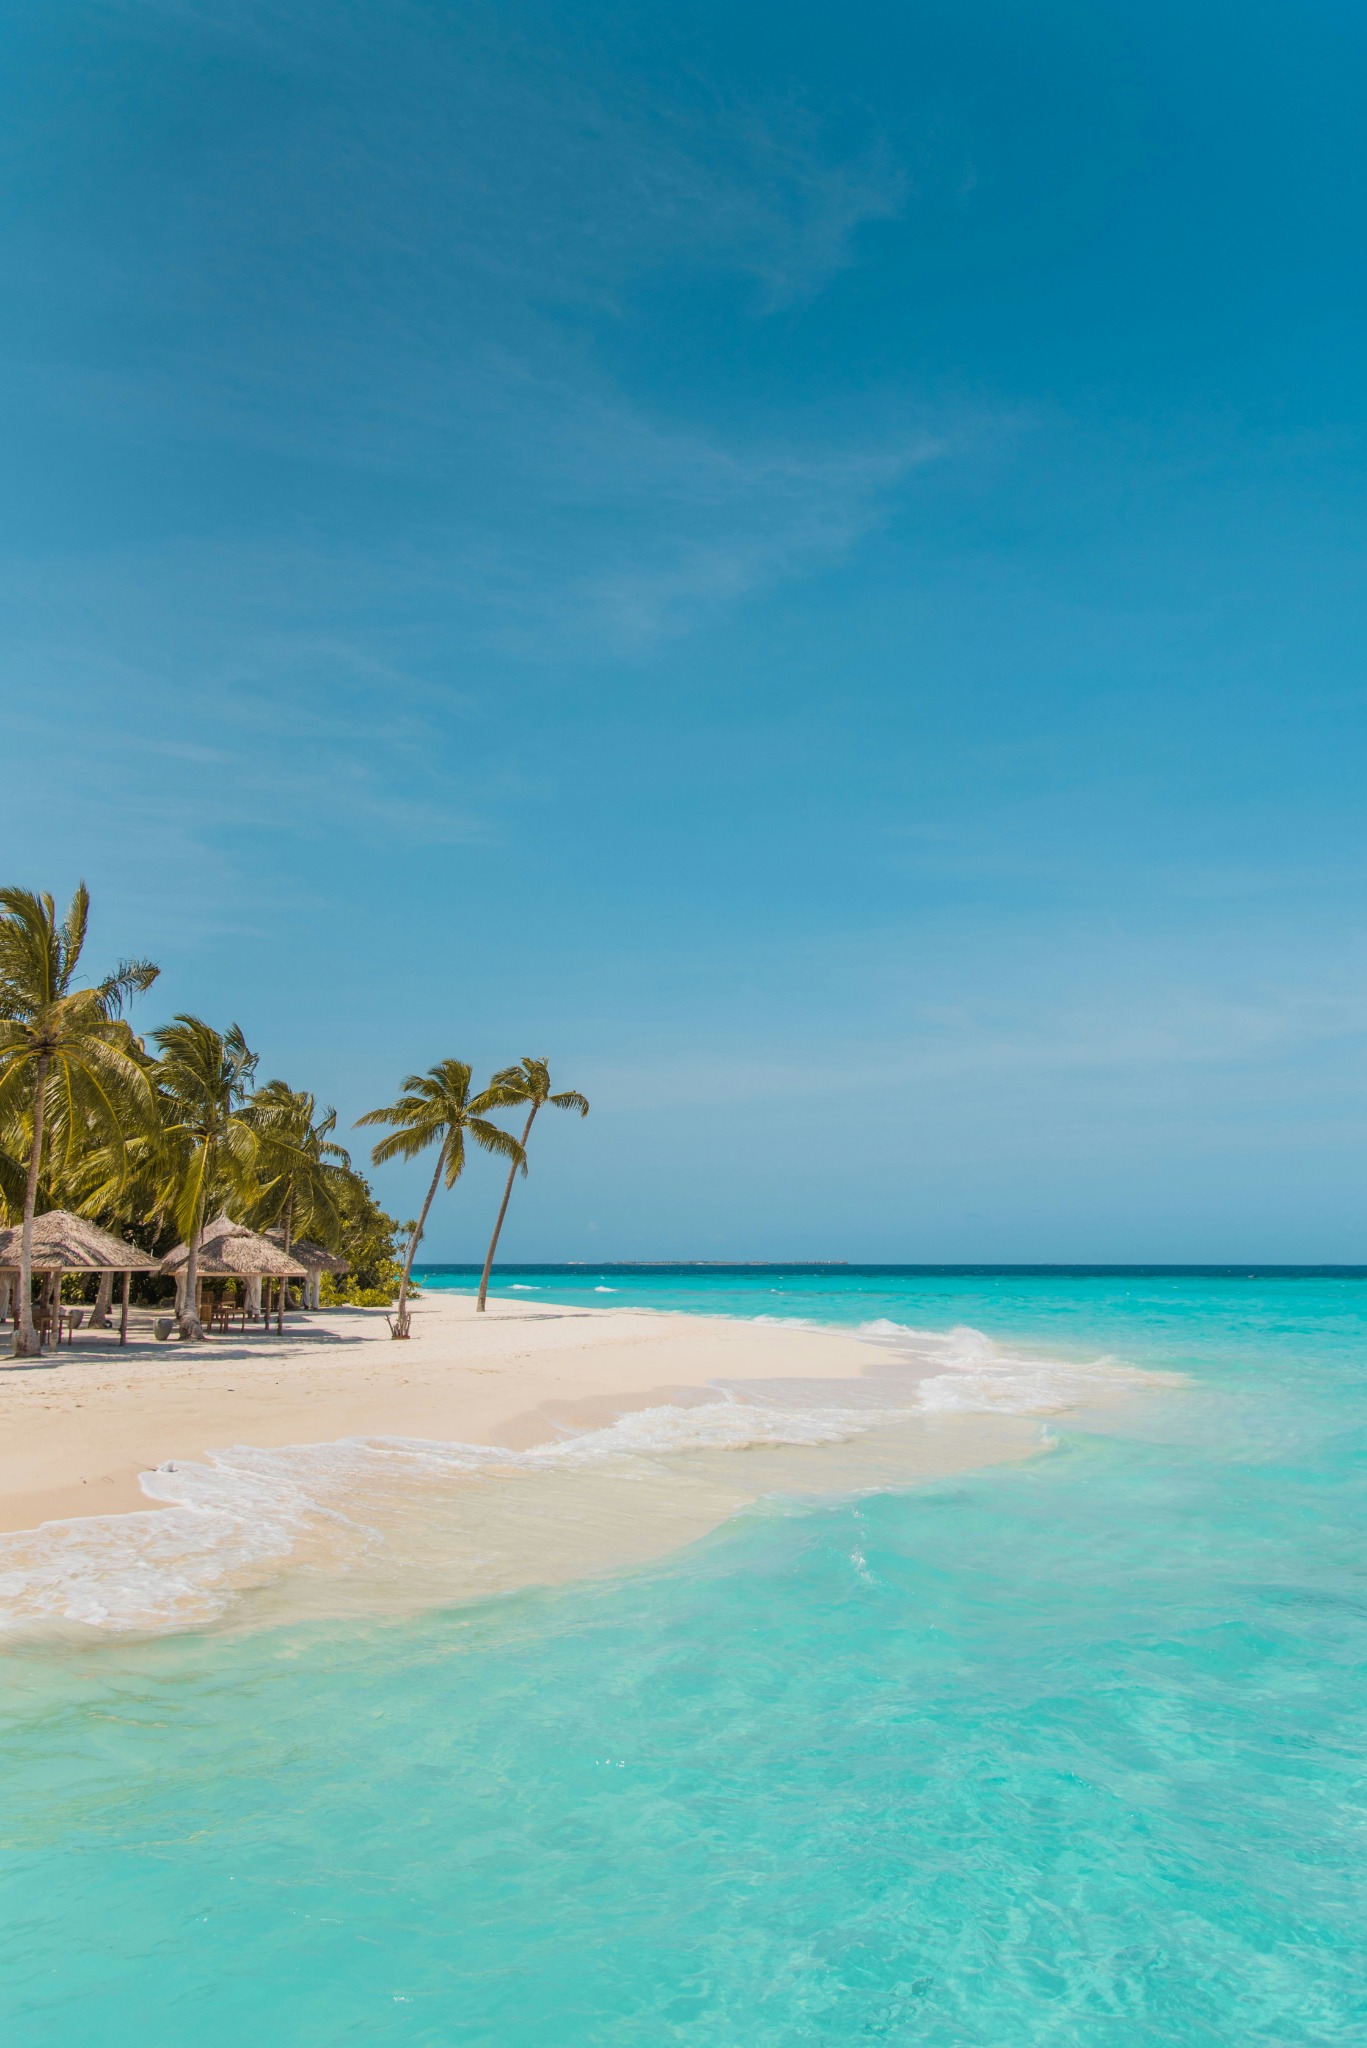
column 78, row 1429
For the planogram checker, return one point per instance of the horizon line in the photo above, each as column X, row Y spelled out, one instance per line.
column 1151, row 1268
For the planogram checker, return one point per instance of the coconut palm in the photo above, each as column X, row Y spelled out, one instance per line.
column 437, row 1106
column 530, row 1083
column 69, row 1064
column 299, row 1162
column 209, row 1148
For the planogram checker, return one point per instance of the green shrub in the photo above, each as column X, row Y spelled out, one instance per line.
column 346, row 1293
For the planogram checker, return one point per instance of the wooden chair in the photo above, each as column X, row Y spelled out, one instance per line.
column 225, row 1313
column 67, row 1321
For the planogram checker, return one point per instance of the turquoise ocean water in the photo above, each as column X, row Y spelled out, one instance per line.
column 1070, row 1751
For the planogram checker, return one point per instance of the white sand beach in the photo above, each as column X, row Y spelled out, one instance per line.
column 333, row 1470
column 78, row 1430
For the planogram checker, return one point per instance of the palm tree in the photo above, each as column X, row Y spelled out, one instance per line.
column 209, row 1146
column 437, row 1105
column 115, row 1184
column 300, row 1164
column 68, row 1063
column 530, row 1083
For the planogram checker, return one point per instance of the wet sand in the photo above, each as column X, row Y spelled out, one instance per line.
column 77, row 1430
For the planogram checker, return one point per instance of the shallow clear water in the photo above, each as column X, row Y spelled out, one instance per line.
column 1065, row 1752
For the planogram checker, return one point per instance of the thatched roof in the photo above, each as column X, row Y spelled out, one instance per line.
column 71, row 1244
column 229, row 1251
column 308, row 1253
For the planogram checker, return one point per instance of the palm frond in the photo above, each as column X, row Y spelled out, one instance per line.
column 530, row 1082
column 187, row 1202
column 30, row 952
column 454, row 1163
column 130, row 978
column 16, row 1069
column 72, row 939
column 240, row 1141
column 409, row 1109
column 13, row 1181
column 405, row 1144
column 494, row 1139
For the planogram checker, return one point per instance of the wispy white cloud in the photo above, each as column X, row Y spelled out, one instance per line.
column 404, row 261
column 395, row 272
column 1193, row 1038
column 416, row 268
column 702, row 525
column 546, row 168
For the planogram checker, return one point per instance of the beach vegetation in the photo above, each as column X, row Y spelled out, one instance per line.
column 301, row 1168
column 209, row 1144
column 70, row 1066
column 152, row 1138
column 374, row 1245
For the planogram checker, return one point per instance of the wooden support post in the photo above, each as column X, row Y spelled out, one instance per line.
column 280, row 1310
column 123, row 1312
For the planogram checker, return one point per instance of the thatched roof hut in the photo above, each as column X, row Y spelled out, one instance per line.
column 314, row 1256
column 229, row 1251
column 63, row 1243
column 317, row 1259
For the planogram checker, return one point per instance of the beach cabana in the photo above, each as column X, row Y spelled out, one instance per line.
column 63, row 1243
column 313, row 1258
column 229, row 1251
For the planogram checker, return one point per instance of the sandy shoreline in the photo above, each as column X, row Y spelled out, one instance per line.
column 76, row 1434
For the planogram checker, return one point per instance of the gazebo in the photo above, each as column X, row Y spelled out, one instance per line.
column 314, row 1258
column 229, row 1251
column 63, row 1243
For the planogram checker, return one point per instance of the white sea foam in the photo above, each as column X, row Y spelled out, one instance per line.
column 964, row 1371
column 234, row 1520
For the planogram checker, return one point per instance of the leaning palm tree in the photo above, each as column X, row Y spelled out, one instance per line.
column 208, row 1146
column 68, row 1063
column 437, row 1105
column 529, row 1083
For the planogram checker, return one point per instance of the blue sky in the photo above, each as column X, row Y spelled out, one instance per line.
column 806, row 562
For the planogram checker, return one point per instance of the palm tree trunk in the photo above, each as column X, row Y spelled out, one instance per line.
column 25, row 1335
column 287, row 1232
column 400, row 1324
column 104, row 1301
column 503, row 1210
column 191, row 1328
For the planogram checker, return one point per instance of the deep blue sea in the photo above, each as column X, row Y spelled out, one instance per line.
column 1070, row 1751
